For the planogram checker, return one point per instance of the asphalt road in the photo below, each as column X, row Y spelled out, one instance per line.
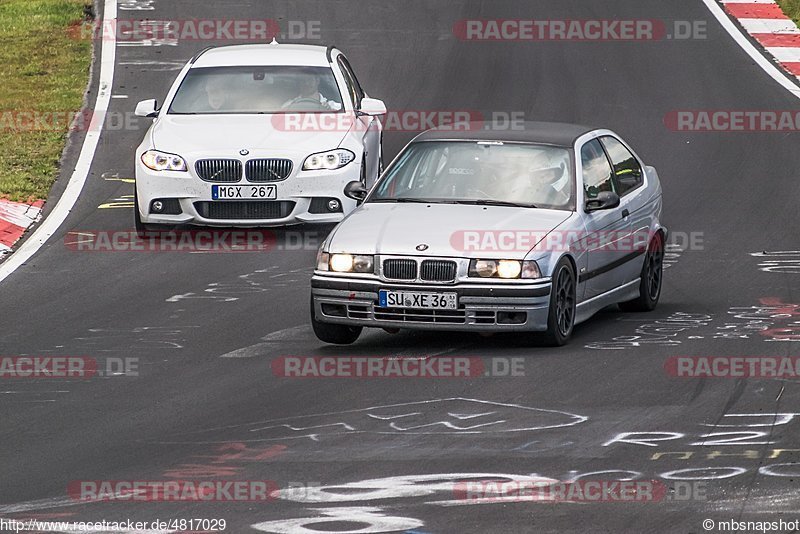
column 204, row 328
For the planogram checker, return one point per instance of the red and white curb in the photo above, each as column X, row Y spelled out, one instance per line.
column 15, row 218
column 771, row 28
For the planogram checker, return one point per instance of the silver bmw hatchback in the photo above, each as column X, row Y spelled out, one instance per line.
column 531, row 229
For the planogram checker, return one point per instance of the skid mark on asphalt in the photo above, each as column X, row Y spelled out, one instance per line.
column 136, row 338
column 255, row 283
column 295, row 333
column 304, row 335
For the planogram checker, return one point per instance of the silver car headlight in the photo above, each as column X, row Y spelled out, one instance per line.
column 163, row 161
column 330, row 160
column 351, row 263
column 506, row 269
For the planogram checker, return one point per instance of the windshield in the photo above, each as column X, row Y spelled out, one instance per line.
column 211, row 90
column 480, row 173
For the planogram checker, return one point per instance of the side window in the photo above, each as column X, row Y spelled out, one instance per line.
column 356, row 93
column 627, row 171
column 597, row 175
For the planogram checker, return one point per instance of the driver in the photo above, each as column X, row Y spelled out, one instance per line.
column 217, row 93
column 536, row 180
column 308, row 90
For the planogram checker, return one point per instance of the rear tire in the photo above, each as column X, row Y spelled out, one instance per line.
column 563, row 300
column 335, row 334
column 652, row 276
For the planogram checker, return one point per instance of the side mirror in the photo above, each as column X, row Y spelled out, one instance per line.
column 372, row 107
column 605, row 200
column 146, row 108
column 356, row 191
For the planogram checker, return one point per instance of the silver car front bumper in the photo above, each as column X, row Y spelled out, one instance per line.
column 481, row 308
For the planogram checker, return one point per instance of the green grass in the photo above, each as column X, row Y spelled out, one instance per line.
column 792, row 9
column 44, row 67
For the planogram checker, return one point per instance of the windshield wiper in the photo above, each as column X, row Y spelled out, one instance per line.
column 492, row 202
column 404, row 199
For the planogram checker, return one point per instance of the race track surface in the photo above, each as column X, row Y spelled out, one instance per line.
column 205, row 328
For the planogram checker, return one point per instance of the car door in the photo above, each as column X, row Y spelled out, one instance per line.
column 629, row 185
column 607, row 231
column 368, row 126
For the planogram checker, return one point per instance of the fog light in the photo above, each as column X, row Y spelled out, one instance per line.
column 333, row 205
column 158, row 206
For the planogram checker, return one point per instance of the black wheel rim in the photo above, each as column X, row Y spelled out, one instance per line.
column 655, row 257
column 565, row 301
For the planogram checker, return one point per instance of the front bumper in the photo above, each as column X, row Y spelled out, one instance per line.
column 481, row 307
column 297, row 191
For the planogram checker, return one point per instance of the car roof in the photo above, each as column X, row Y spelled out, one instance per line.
column 548, row 133
column 263, row 55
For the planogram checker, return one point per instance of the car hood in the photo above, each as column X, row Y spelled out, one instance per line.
column 187, row 135
column 388, row 228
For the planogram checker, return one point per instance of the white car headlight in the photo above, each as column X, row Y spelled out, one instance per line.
column 331, row 160
column 507, row 269
column 163, row 161
column 349, row 263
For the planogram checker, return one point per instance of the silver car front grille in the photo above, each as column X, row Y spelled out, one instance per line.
column 400, row 269
column 438, row 270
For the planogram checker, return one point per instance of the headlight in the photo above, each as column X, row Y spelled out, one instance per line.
column 162, row 161
column 349, row 263
column 507, row 269
column 333, row 159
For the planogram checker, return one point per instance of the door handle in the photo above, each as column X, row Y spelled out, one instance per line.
column 625, row 213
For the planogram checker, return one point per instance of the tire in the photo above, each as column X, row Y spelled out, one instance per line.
column 652, row 278
column 335, row 334
column 142, row 229
column 563, row 300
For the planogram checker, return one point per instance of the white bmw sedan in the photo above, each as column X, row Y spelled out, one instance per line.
column 257, row 135
column 527, row 230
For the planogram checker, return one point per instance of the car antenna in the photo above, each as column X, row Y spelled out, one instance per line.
column 274, row 41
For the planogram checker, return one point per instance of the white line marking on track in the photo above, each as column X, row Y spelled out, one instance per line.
column 65, row 204
column 761, row 60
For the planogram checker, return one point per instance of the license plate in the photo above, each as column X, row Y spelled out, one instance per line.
column 413, row 299
column 244, row 192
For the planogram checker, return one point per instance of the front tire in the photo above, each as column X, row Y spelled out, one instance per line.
column 563, row 300
column 652, row 275
column 335, row 334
